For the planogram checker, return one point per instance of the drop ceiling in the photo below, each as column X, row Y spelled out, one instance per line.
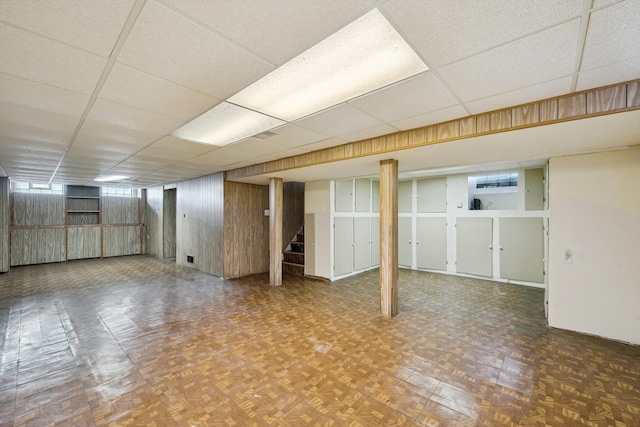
column 92, row 88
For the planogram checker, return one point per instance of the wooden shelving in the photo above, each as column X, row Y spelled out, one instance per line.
column 83, row 205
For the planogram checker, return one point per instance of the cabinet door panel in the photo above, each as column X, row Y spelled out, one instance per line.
column 405, row 244
column 534, row 189
column 344, row 195
column 474, row 242
column 431, row 243
column 363, row 195
column 375, row 196
column 404, row 196
column 375, row 241
column 362, row 243
column 432, row 195
column 343, row 246
column 521, row 249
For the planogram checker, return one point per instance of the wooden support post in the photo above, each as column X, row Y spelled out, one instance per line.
column 389, row 238
column 275, row 231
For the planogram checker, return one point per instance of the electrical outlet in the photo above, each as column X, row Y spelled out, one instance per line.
column 567, row 258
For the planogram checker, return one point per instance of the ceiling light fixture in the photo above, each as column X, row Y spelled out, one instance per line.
column 110, row 178
column 225, row 124
column 364, row 56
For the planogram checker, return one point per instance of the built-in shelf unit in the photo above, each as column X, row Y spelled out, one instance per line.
column 83, row 205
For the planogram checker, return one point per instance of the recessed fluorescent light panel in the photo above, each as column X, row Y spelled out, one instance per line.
column 224, row 124
column 110, row 178
column 363, row 56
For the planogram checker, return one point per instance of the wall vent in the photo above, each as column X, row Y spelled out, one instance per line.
column 190, row 258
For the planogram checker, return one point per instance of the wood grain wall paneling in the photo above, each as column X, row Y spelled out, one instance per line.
column 4, row 225
column 120, row 210
column 561, row 108
column 572, row 106
column 275, row 231
column 389, row 238
column 607, row 99
column 37, row 209
column 548, row 110
column 119, row 240
column 633, row 95
column 37, row 245
column 246, row 229
column 200, row 223
column 526, row 115
column 154, row 221
column 293, row 211
column 169, row 223
column 500, row 120
column 84, row 242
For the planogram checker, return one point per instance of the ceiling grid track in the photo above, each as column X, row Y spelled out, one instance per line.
column 126, row 30
column 587, row 6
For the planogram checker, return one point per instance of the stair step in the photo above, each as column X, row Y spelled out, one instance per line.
column 292, row 268
column 297, row 246
column 294, row 257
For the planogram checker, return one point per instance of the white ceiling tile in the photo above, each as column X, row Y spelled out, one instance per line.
column 141, row 90
column 340, row 120
column 155, row 153
column 92, row 25
column 369, row 133
column 620, row 72
column 418, row 95
column 209, row 160
column 544, row 56
column 331, row 142
column 294, row 136
column 128, row 117
column 277, row 30
column 229, row 154
column 36, row 58
column 612, row 37
column 445, row 31
column 257, row 147
column 177, row 144
column 170, row 46
column 521, row 96
column 25, row 117
column 431, row 118
column 27, row 93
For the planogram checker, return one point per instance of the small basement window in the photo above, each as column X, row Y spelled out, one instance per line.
column 119, row 192
column 37, row 188
column 493, row 191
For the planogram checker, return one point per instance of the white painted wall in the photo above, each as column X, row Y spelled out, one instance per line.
column 594, row 210
column 317, row 200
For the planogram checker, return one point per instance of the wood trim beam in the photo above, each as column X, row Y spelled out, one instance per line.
column 389, row 238
column 275, row 231
column 580, row 105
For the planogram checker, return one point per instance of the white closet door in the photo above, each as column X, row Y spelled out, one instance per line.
column 432, row 195
column 362, row 241
column 404, row 196
column 343, row 246
column 344, row 195
column 375, row 241
column 405, row 245
column 534, row 189
column 521, row 249
column 474, row 246
column 375, row 196
column 431, row 243
column 363, row 195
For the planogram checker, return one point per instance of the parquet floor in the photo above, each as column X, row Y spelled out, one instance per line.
column 138, row 341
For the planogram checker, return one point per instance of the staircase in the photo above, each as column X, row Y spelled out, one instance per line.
column 294, row 255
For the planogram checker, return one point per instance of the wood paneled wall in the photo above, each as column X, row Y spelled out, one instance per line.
column 589, row 103
column 37, row 209
column 169, row 223
column 154, row 221
column 293, row 211
column 120, row 210
column 84, row 242
column 120, row 240
column 38, row 245
column 4, row 225
column 246, row 229
column 200, row 223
